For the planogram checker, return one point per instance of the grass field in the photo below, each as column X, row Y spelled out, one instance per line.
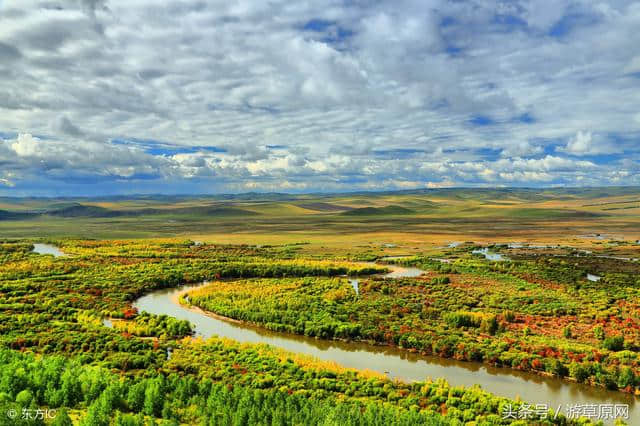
column 280, row 263
column 410, row 220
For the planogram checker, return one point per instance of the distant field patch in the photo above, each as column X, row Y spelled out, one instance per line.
column 79, row 210
column 213, row 211
column 324, row 207
column 375, row 211
column 551, row 213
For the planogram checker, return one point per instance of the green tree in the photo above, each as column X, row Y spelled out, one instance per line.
column 136, row 396
column 24, row 398
column 62, row 418
column 153, row 399
column 626, row 378
column 598, row 332
column 614, row 343
column 71, row 388
column 578, row 372
column 97, row 414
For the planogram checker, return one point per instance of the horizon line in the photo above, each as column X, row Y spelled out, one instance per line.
column 322, row 193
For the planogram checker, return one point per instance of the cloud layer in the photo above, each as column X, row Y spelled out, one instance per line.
column 119, row 96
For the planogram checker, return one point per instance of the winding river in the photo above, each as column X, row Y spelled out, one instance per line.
column 394, row 362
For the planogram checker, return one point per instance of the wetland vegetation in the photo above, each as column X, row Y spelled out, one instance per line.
column 73, row 340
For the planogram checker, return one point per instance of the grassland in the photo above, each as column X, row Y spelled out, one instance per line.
column 56, row 353
column 276, row 261
column 538, row 312
column 420, row 219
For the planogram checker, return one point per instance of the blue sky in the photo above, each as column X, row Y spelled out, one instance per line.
column 105, row 97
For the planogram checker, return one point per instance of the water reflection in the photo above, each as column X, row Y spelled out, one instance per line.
column 47, row 249
column 393, row 362
column 355, row 283
column 404, row 272
column 400, row 271
column 496, row 257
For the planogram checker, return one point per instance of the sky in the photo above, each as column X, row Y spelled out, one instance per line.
column 101, row 97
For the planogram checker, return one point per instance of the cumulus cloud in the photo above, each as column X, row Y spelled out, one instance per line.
column 356, row 95
column 581, row 144
column 585, row 143
column 521, row 149
column 33, row 156
column 25, row 145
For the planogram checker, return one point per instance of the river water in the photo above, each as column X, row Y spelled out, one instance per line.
column 394, row 362
column 593, row 277
column 496, row 257
column 47, row 249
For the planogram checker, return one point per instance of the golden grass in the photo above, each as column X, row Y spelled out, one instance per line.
column 304, row 361
column 438, row 219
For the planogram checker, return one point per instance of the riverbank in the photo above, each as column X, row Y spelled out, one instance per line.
column 102, row 279
column 396, row 363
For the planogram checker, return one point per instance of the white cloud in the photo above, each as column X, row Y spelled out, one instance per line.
column 521, row 149
column 26, row 145
column 542, row 14
column 6, row 182
column 585, row 143
column 526, row 176
column 443, row 184
column 375, row 94
column 59, row 159
column 633, row 66
column 581, row 144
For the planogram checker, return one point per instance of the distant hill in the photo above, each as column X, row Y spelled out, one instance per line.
column 80, row 210
column 7, row 215
column 324, row 207
column 463, row 193
column 450, row 203
column 216, row 211
column 378, row 211
column 551, row 214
